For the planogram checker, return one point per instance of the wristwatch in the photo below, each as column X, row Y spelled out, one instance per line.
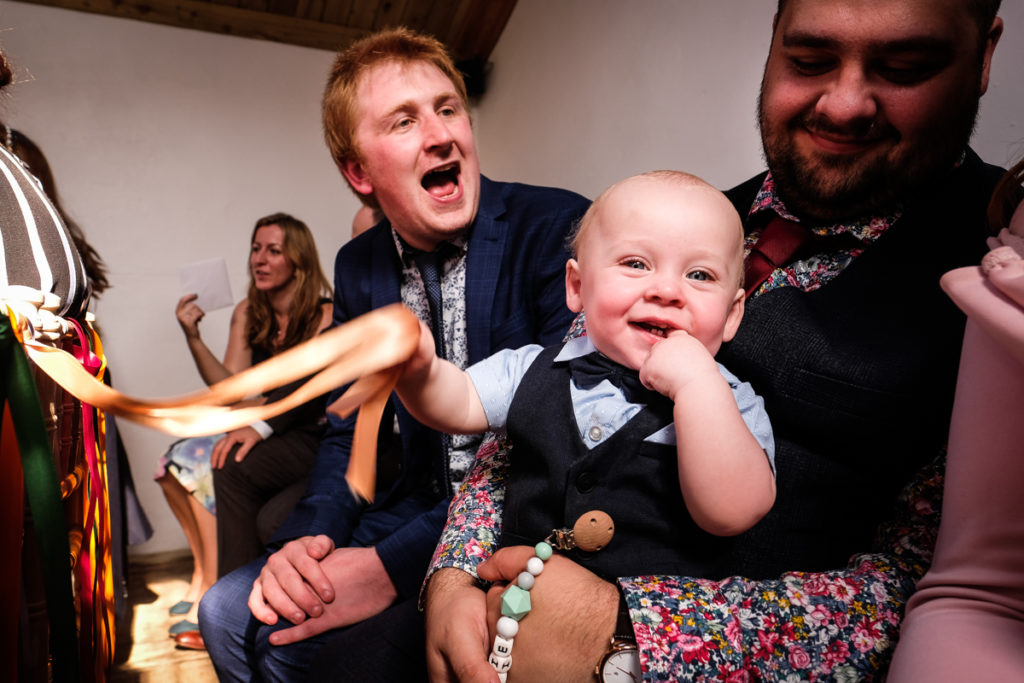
column 621, row 662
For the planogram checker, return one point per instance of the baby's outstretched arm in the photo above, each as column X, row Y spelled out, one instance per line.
column 724, row 474
column 439, row 394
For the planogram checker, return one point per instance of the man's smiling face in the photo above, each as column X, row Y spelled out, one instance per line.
column 865, row 101
column 417, row 154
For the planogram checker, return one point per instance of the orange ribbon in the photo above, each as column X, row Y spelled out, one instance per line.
column 367, row 351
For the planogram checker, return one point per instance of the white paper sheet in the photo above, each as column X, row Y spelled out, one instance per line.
column 208, row 279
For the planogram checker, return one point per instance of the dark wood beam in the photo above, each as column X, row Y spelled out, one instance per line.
column 224, row 19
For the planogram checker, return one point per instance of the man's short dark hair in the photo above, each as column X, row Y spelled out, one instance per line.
column 983, row 11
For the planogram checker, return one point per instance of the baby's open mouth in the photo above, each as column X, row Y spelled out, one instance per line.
column 656, row 330
column 442, row 181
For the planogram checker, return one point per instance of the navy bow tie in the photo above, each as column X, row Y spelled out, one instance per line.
column 588, row 371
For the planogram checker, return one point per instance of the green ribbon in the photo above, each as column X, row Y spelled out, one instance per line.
column 18, row 390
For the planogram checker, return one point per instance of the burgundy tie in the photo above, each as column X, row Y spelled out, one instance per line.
column 779, row 241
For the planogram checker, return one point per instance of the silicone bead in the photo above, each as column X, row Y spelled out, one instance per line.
column 525, row 580
column 543, row 551
column 535, row 565
column 515, row 602
column 507, row 627
column 502, row 676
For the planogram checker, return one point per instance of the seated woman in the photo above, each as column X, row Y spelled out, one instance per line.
column 288, row 302
column 966, row 620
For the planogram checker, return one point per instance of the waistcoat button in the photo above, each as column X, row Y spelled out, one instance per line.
column 585, row 482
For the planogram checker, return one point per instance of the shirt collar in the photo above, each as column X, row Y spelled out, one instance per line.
column 866, row 230
column 405, row 251
column 574, row 348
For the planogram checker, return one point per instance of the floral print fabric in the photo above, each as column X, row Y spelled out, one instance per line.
column 805, row 626
column 816, row 270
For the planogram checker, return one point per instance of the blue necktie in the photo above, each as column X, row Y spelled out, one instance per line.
column 430, row 265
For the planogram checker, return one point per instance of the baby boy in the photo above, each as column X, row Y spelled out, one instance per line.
column 659, row 426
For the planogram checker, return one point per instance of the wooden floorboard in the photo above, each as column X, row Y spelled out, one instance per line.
column 144, row 653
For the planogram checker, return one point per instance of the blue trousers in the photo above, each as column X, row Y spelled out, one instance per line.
column 238, row 643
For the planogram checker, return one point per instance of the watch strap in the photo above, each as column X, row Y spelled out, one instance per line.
column 623, row 624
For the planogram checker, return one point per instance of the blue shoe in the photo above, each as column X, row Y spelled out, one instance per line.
column 181, row 627
column 181, row 607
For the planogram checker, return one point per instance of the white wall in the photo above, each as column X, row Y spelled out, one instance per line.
column 167, row 144
column 586, row 92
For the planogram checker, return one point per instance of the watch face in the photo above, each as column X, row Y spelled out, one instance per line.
column 622, row 666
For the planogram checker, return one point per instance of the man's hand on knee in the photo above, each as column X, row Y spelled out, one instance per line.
column 293, row 584
column 364, row 589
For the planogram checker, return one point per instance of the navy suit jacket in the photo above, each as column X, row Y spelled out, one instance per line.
column 515, row 295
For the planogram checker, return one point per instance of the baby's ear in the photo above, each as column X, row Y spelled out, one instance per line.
column 573, row 286
column 732, row 321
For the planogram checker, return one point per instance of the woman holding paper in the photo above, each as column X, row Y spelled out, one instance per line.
column 288, row 302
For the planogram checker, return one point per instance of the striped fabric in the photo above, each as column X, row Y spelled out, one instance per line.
column 36, row 248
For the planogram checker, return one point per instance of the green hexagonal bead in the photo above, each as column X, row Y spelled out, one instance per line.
column 515, row 602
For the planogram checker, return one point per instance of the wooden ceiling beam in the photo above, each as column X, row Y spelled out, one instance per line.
column 470, row 28
column 224, row 19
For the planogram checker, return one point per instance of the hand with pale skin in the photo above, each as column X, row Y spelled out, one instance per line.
column 292, row 583
column 1004, row 265
column 367, row 592
column 244, row 437
column 237, row 356
column 675, row 362
column 298, row 583
column 189, row 314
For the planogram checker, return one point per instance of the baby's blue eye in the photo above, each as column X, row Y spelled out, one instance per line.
column 699, row 275
column 635, row 263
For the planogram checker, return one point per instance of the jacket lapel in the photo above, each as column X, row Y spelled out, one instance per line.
column 483, row 267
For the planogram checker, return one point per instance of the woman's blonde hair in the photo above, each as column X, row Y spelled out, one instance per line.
column 311, row 286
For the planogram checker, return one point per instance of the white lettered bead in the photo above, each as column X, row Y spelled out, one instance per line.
column 500, row 663
column 502, row 676
column 502, row 646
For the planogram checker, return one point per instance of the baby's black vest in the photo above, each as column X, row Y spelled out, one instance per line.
column 555, row 478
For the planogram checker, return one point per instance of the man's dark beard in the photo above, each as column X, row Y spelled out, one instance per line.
column 868, row 188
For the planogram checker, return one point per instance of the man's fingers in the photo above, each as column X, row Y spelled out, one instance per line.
column 473, row 670
column 290, row 597
column 506, row 564
column 320, row 547
column 219, row 453
column 243, row 450
column 298, row 570
column 258, row 606
column 307, row 629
